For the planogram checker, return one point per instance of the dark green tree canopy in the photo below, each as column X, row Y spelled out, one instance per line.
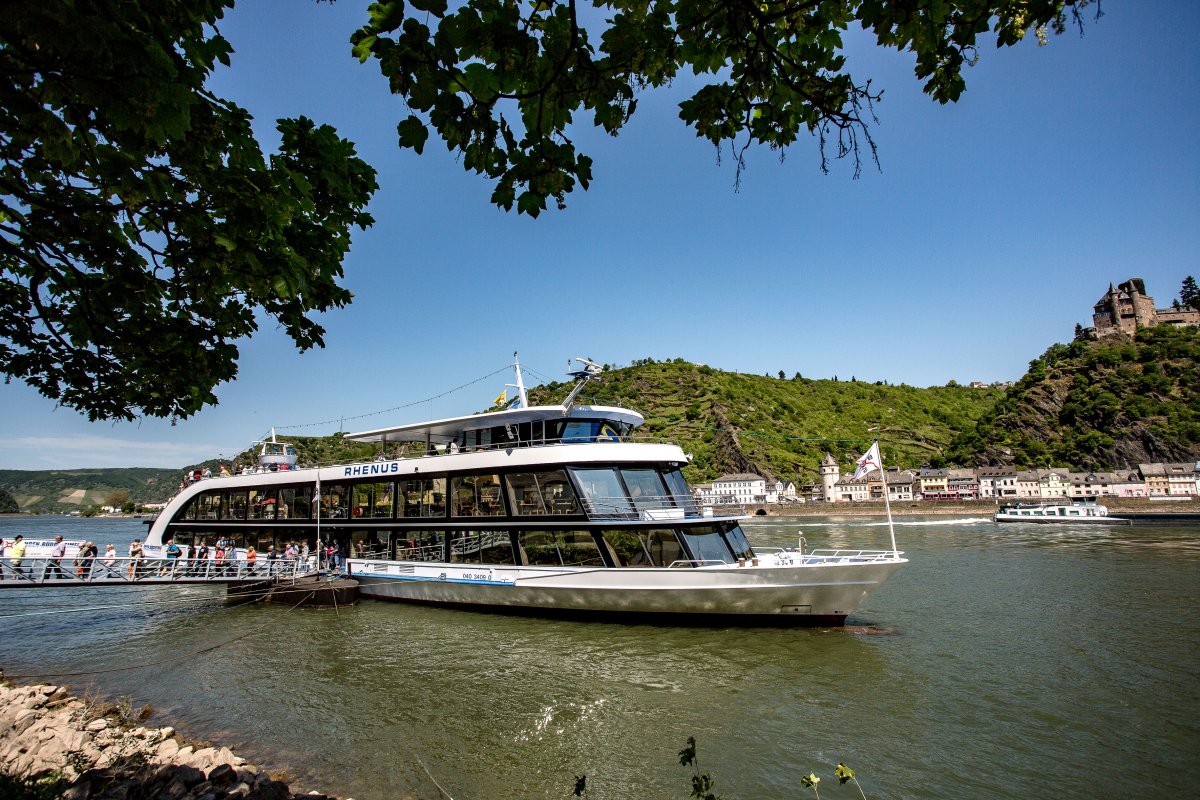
column 1189, row 293
column 142, row 229
column 501, row 81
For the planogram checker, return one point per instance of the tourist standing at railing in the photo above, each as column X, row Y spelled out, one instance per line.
column 136, row 554
column 54, row 565
column 84, row 558
column 17, row 555
column 199, row 558
column 110, row 555
column 172, row 562
column 251, row 558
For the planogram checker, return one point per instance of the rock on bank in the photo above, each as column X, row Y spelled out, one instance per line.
column 90, row 751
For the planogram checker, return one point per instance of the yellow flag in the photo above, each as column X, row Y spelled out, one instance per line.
column 499, row 401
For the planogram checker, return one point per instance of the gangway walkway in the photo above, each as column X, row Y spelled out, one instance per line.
column 61, row 573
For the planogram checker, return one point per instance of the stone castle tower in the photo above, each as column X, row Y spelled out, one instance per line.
column 1125, row 308
column 830, row 471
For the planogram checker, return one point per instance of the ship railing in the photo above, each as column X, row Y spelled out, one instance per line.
column 108, row 571
column 829, row 555
column 475, row 542
column 649, row 508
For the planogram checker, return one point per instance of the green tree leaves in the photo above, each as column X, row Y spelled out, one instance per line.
column 502, row 82
column 142, row 230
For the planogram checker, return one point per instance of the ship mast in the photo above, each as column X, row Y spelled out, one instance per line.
column 520, row 381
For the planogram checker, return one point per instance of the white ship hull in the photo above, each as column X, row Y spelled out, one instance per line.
column 818, row 592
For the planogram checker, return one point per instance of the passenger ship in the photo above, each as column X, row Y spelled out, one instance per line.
column 1075, row 512
column 548, row 510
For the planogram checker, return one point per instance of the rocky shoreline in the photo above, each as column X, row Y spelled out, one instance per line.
column 54, row 744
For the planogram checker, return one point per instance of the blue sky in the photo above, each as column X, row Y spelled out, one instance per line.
column 993, row 227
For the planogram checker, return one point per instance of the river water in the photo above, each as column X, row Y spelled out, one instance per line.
column 1003, row 661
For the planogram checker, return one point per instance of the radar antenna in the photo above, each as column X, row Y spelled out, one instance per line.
column 590, row 371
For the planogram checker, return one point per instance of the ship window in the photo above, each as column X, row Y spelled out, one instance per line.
column 262, row 504
column 335, row 501
column 539, row 548
column 645, row 488
column 539, row 493
column 560, row 548
column 481, row 547
column 368, row 544
column 679, row 490
column 234, row 506
column 578, row 431
column 706, row 546
column 476, row 496
column 738, row 543
column 602, row 493
column 208, row 505
column 382, row 495
column 371, row 500
column 644, row 548
column 295, row 502
column 423, row 497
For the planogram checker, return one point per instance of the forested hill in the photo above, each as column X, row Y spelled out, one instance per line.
column 782, row 427
column 1106, row 404
column 62, row 490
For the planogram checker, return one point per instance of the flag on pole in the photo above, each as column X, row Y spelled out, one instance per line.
column 870, row 460
column 499, row 401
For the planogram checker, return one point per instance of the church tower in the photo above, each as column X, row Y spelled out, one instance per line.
column 829, row 477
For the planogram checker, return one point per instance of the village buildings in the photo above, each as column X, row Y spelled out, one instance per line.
column 932, row 485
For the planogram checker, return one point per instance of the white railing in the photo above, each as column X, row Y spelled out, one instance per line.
column 107, row 571
column 645, row 507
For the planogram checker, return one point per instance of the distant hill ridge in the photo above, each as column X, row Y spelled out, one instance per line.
column 1102, row 404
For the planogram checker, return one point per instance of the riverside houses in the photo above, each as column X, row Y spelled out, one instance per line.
column 1169, row 480
column 997, row 484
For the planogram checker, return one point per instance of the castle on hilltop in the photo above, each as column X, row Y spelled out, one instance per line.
column 1127, row 307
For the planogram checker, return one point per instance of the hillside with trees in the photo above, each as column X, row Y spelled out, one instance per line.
column 65, row 490
column 1111, row 403
column 782, row 427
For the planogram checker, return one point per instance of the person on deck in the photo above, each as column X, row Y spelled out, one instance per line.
column 17, row 555
column 136, row 554
column 54, row 565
